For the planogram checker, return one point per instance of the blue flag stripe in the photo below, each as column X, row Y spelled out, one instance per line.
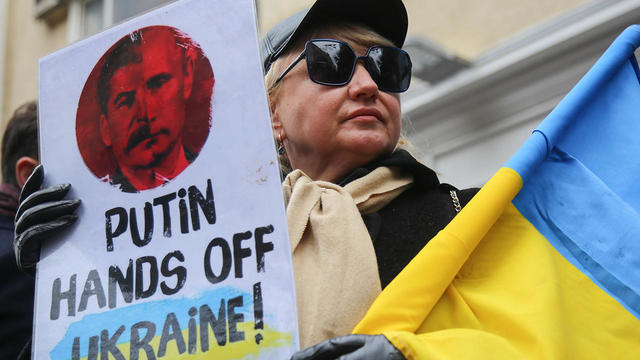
column 606, row 135
column 588, row 92
column 587, row 223
column 581, row 168
column 589, row 89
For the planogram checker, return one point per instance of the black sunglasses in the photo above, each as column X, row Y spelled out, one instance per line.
column 333, row 62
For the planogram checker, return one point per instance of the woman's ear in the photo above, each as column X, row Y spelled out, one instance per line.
column 24, row 168
column 276, row 124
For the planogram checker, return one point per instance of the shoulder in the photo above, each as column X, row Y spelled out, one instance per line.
column 122, row 182
column 402, row 228
column 428, row 188
column 439, row 204
column 427, row 194
column 457, row 196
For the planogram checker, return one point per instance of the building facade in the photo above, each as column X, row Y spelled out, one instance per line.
column 485, row 72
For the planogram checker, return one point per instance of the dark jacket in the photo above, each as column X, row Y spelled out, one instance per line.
column 16, row 287
column 403, row 227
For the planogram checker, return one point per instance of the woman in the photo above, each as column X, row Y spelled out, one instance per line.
column 348, row 138
column 359, row 208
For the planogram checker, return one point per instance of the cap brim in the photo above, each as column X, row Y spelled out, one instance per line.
column 387, row 18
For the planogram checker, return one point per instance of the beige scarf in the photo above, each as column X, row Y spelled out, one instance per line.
column 334, row 262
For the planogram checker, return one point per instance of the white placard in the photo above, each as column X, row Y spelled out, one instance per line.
column 181, row 249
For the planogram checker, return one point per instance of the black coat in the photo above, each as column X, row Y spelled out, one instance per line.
column 403, row 227
column 16, row 297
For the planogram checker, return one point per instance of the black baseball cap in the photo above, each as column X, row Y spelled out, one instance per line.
column 386, row 17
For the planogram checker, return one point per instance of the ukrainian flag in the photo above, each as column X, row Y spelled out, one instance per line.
column 544, row 262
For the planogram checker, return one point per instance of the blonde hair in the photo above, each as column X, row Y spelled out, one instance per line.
column 353, row 34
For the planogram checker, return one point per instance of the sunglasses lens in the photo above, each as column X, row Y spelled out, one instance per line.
column 329, row 62
column 390, row 68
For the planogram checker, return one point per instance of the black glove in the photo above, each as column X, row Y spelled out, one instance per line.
column 41, row 213
column 351, row 347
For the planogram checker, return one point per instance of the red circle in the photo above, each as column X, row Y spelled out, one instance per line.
column 99, row 157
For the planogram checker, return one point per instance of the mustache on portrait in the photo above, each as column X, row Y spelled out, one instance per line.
column 141, row 134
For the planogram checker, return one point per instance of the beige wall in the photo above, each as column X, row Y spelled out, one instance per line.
column 469, row 28
column 28, row 39
column 270, row 12
column 465, row 27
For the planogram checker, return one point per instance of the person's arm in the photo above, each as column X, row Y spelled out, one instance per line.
column 41, row 213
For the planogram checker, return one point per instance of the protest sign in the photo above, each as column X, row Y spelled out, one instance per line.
column 161, row 125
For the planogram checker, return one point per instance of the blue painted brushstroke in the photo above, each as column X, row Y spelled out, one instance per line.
column 154, row 311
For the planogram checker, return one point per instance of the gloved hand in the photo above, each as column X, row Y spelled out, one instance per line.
column 41, row 213
column 351, row 347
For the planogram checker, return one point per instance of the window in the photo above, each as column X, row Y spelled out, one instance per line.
column 49, row 10
column 88, row 17
column 92, row 17
column 124, row 9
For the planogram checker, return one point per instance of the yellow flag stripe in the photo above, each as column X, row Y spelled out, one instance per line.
column 517, row 297
column 408, row 299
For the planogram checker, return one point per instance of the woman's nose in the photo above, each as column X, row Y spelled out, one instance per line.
column 361, row 84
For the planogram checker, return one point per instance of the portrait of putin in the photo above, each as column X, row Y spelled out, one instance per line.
column 144, row 89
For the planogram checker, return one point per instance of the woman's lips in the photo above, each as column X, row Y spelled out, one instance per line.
column 365, row 114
